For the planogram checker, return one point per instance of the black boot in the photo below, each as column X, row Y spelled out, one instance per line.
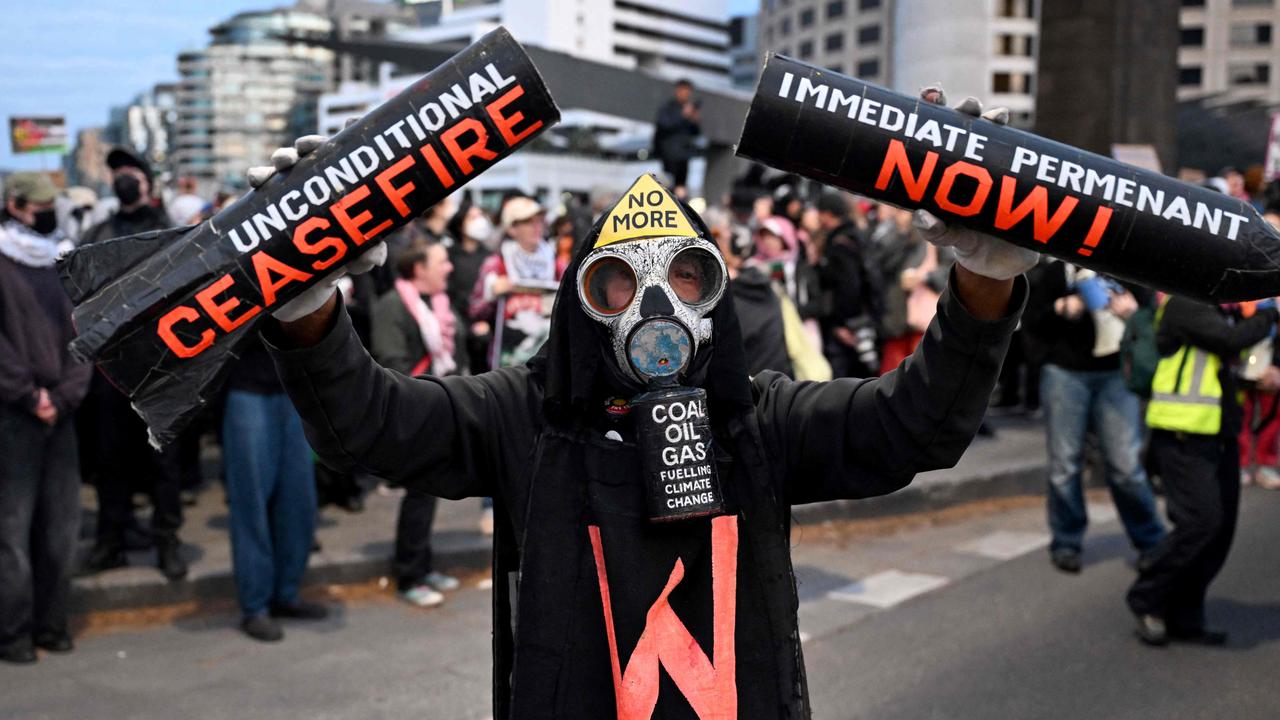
column 1066, row 559
column 169, row 559
column 104, row 556
column 19, row 653
column 262, row 629
column 53, row 641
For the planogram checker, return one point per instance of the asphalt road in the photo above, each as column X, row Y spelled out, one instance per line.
column 1025, row 641
column 956, row 615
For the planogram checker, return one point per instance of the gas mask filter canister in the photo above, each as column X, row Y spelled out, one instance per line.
column 652, row 280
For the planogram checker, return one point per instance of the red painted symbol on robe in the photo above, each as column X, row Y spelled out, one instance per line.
column 710, row 687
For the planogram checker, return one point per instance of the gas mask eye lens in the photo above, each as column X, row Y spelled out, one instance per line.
column 610, row 284
column 694, row 275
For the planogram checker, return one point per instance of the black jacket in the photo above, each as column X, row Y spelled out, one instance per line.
column 760, row 314
column 673, row 133
column 1211, row 328
column 123, row 224
column 572, row 529
column 851, row 286
column 397, row 341
column 1067, row 343
column 35, row 328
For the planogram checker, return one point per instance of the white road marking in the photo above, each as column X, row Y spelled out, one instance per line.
column 1005, row 544
column 1101, row 512
column 888, row 588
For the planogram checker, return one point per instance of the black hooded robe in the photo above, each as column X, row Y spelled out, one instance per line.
column 702, row 613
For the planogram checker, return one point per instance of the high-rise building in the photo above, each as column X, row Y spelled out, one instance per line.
column 744, row 52
column 87, row 163
column 846, row 36
column 589, row 151
column 1227, row 48
column 985, row 49
column 355, row 20
column 689, row 39
column 249, row 92
column 146, row 125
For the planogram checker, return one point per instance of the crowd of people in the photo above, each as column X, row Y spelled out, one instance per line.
column 826, row 285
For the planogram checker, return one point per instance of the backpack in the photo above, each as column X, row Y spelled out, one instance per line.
column 1138, row 353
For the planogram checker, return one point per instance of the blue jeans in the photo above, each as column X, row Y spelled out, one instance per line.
column 1073, row 401
column 271, row 489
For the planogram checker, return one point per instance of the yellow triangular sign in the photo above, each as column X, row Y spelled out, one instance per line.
column 646, row 210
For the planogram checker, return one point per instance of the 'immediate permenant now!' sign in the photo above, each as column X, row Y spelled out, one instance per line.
column 1037, row 193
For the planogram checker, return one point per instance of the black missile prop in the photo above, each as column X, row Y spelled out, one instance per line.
column 1053, row 198
column 164, row 314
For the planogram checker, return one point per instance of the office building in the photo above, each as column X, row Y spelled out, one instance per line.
column 986, row 49
column 1226, row 48
column 248, row 93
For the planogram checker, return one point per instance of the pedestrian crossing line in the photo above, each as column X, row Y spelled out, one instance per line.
column 1004, row 544
column 1101, row 512
column 887, row 589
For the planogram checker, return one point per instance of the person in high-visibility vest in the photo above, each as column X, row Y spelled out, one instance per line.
column 1195, row 421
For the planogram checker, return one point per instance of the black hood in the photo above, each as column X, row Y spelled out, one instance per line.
column 576, row 363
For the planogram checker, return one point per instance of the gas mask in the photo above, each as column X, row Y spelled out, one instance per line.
column 652, row 280
column 653, row 295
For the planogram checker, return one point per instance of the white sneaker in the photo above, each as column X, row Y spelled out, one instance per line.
column 386, row 490
column 441, row 582
column 486, row 521
column 1268, row 478
column 421, row 596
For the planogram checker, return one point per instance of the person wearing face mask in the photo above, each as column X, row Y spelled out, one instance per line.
column 136, row 210
column 114, row 437
column 471, row 233
column 643, row 480
column 40, row 388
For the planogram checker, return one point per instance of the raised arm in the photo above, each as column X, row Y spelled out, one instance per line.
column 860, row 438
column 1201, row 325
column 437, row 433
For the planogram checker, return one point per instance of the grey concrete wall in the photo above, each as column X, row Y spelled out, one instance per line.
column 1108, row 74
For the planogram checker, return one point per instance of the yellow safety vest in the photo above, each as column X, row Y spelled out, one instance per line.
column 1186, row 394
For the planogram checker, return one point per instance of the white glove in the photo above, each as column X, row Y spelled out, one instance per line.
column 284, row 158
column 314, row 297
column 977, row 252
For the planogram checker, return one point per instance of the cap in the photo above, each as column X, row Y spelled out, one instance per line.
column 81, row 196
column 123, row 157
column 518, row 210
column 32, row 186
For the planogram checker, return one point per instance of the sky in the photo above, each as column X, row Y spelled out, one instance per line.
column 78, row 58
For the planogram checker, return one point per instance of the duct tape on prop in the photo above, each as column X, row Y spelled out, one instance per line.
column 677, row 454
column 164, row 315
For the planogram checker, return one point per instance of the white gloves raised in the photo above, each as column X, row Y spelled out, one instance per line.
column 314, row 297
column 977, row 252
